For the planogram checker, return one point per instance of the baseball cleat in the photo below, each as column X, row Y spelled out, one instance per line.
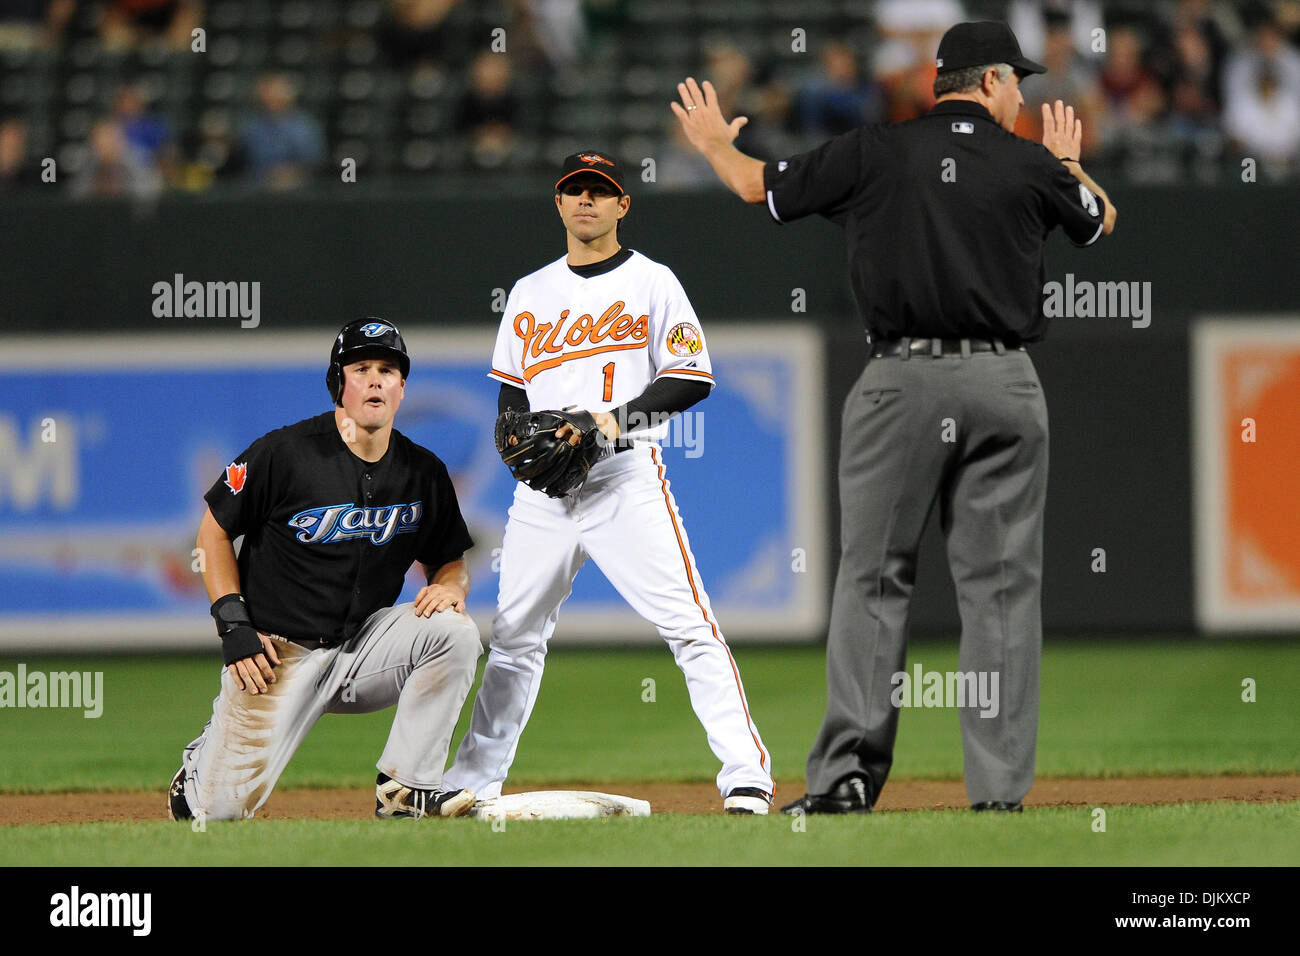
column 178, row 807
column 852, row 795
column 395, row 801
column 747, row 800
column 1004, row 806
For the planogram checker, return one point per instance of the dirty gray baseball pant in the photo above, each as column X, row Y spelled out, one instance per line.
column 990, row 485
column 424, row 665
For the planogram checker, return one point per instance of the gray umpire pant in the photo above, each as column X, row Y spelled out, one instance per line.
column 970, row 434
column 424, row 665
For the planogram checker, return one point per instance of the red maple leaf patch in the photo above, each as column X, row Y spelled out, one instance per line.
column 236, row 475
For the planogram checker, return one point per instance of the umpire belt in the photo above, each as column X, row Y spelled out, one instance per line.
column 934, row 348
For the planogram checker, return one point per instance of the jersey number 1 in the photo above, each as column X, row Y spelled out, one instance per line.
column 608, row 395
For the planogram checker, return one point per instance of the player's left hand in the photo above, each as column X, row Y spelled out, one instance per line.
column 438, row 597
column 701, row 117
column 606, row 422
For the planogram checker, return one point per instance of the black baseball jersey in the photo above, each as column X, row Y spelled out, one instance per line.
column 946, row 217
column 328, row 538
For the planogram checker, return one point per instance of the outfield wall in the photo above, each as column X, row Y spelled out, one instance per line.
column 1119, row 394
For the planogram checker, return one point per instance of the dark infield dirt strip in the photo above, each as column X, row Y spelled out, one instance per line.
column 673, row 797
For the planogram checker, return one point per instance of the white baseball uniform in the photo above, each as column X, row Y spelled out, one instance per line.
column 597, row 342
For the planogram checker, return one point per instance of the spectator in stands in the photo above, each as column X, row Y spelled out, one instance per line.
column 1287, row 14
column 734, row 78
column 1069, row 78
column 145, row 133
column 33, row 24
column 488, row 110
column 1264, row 120
column 18, row 171
column 216, row 152
column 1132, row 95
column 555, row 30
column 680, row 166
column 771, row 131
column 283, row 145
column 1193, row 86
column 1032, row 20
column 767, row 104
column 125, row 24
column 1192, row 42
column 1244, row 72
column 413, row 32
column 731, row 71
column 113, row 169
column 841, row 98
column 903, row 65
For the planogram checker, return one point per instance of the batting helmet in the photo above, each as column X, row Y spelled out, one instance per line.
column 365, row 338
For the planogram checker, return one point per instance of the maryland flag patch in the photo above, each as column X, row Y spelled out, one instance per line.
column 685, row 339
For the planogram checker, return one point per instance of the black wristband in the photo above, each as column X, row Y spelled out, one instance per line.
column 239, row 643
column 1069, row 159
column 230, row 612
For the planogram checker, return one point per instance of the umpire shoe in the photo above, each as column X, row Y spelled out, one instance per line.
column 851, row 795
column 178, row 808
column 747, row 801
column 1003, row 806
column 393, row 800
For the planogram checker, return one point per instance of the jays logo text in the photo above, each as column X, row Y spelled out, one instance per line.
column 347, row 522
column 614, row 330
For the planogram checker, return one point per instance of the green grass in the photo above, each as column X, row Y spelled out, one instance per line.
column 1192, row 834
column 1109, row 708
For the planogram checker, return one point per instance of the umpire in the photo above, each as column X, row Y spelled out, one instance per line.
column 946, row 217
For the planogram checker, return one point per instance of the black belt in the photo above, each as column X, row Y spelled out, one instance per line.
column 906, row 347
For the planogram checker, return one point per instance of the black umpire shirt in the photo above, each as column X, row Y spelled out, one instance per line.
column 946, row 218
column 328, row 538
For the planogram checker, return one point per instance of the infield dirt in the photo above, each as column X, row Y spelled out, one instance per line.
column 692, row 798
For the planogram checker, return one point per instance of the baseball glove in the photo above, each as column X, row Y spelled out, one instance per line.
column 554, row 466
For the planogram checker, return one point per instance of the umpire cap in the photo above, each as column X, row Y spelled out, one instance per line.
column 365, row 338
column 981, row 43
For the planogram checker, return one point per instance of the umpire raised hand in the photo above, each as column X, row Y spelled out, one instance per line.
column 946, row 217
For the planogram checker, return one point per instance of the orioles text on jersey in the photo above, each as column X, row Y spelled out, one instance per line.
column 614, row 330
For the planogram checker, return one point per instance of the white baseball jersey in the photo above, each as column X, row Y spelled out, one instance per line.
column 598, row 342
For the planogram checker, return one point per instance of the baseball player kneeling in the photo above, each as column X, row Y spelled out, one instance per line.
column 333, row 511
column 610, row 333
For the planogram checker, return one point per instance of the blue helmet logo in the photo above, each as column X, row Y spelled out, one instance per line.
column 372, row 329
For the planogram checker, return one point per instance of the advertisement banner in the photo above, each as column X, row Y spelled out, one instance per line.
column 107, row 445
column 1246, row 468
